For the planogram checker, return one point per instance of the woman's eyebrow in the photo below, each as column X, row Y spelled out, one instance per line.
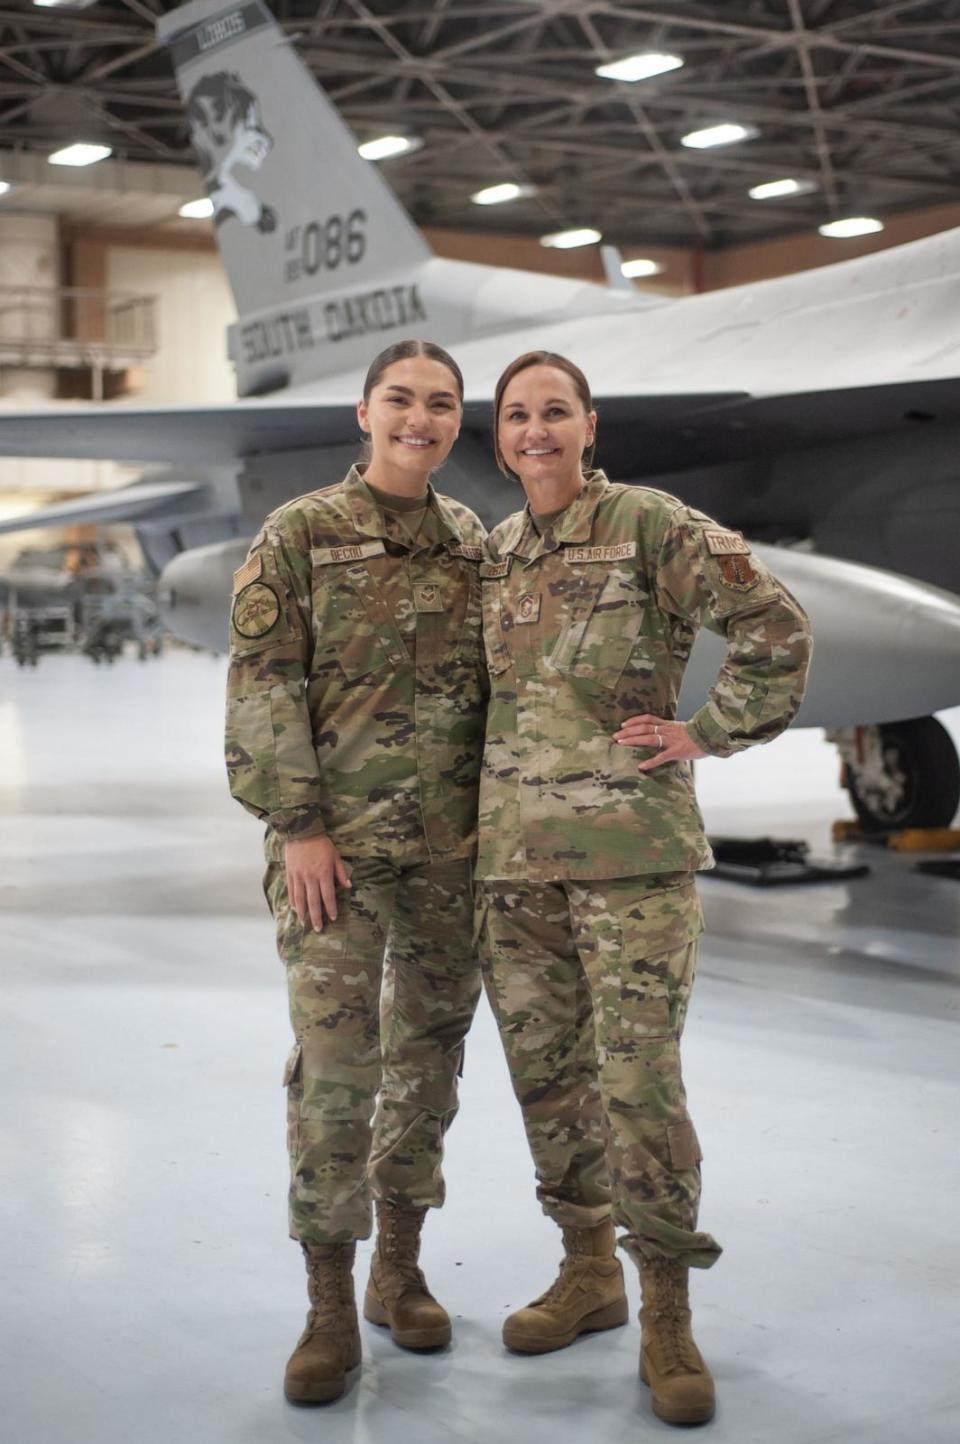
column 434, row 395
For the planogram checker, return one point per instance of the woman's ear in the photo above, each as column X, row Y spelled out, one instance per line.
column 362, row 417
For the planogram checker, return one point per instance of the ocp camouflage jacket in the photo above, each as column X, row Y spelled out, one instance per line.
column 355, row 698
column 592, row 623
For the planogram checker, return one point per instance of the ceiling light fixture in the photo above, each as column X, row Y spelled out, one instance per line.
column 80, row 154
column 851, row 226
column 388, row 145
column 568, row 240
column 639, row 67
column 769, row 190
column 642, row 266
column 5, row 186
column 497, row 195
column 727, row 133
column 200, row 210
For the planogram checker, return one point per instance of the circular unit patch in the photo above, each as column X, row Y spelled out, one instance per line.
column 256, row 610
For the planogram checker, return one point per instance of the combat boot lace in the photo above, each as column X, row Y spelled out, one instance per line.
column 670, row 1363
column 330, row 1344
column 586, row 1296
column 397, row 1295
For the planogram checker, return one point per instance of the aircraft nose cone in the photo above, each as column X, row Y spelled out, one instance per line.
column 194, row 593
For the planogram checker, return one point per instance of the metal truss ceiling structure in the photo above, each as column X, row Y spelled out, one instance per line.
column 863, row 100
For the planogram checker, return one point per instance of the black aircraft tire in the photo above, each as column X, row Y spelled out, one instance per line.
column 922, row 751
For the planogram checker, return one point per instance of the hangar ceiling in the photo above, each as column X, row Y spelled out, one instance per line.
column 861, row 100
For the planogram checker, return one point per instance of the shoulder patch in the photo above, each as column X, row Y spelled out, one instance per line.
column 491, row 570
column 467, row 549
column 243, row 576
column 600, row 554
column 256, row 611
column 726, row 544
column 737, row 573
column 323, row 556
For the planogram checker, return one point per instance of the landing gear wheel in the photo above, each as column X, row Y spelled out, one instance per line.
column 910, row 777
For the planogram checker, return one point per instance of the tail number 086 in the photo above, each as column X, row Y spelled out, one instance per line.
column 338, row 239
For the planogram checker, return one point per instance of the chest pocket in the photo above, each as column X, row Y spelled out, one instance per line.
column 498, row 657
column 603, row 625
column 353, row 625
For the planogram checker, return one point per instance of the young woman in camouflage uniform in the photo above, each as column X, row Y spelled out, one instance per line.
column 354, row 730
column 592, row 596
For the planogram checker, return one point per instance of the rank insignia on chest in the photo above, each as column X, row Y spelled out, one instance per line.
column 256, row 610
column 736, row 572
column 527, row 609
column 428, row 597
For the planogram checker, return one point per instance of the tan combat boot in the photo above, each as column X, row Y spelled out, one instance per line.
column 397, row 1294
column 330, row 1344
column 670, row 1362
column 587, row 1295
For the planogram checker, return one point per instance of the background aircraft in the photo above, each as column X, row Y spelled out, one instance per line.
column 820, row 409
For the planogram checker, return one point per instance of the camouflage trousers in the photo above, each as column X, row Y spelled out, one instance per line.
column 380, row 1001
column 589, row 983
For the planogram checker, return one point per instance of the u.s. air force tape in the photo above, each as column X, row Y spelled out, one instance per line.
column 256, row 611
column 616, row 553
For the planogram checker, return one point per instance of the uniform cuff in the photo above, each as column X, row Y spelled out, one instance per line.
column 294, row 824
column 707, row 733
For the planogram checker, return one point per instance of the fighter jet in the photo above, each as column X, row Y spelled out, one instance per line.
column 818, row 412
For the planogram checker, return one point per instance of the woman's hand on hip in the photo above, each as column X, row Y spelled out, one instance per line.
column 314, row 868
column 670, row 741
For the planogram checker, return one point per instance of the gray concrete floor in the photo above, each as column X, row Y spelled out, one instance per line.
column 149, row 1290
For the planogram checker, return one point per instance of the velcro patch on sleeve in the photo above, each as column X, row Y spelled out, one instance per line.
column 617, row 553
column 468, row 550
column 491, row 570
column 323, row 556
column 726, row 544
column 243, row 576
column 256, row 611
column 737, row 573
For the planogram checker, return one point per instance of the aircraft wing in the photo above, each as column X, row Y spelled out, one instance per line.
column 127, row 503
column 177, row 435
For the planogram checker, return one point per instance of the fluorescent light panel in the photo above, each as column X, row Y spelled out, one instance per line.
column 387, row 145
column 639, row 67
column 642, row 266
column 80, row 154
column 851, row 226
column 569, row 240
column 770, row 190
column 497, row 195
column 200, row 210
column 728, row 133
column 4, row 187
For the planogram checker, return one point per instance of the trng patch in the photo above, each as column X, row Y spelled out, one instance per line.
column 256, row 610
column 726, row 544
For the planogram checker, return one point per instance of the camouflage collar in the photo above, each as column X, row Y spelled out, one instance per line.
column 369, row 520
column 574, row 525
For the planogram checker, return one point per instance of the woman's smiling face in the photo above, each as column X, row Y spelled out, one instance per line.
column 543, row 428
column 412, row 416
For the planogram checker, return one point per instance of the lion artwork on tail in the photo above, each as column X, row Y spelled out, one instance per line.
column 227, row 131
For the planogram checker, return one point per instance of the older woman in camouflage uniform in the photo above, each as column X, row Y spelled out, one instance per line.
column 592, row 596
column 354, row 730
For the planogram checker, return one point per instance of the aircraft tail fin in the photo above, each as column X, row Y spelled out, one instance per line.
column 298, row 213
